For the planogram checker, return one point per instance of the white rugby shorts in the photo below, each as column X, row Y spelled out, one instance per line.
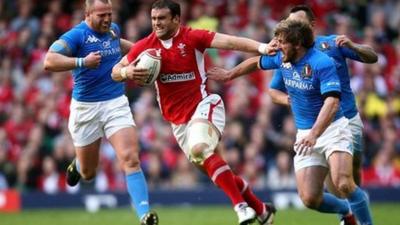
column 356, row 127
column 337, row 137
column 210, row 108
column 89, row 121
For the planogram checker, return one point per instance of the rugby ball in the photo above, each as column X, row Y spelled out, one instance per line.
column 150, row 59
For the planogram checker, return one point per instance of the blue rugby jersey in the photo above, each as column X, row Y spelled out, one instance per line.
column 327, row 44
column 92, row 85
column 305, row 81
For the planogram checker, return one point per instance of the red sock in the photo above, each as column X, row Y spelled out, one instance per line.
column 221, row 174
column 249, row 196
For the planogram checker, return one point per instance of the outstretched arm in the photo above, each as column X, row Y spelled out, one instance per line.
column 229, row 42
column 365, row 52
column 243, row 68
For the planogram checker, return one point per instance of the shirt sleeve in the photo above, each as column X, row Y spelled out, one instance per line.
column 349, row 53
column 277, row 81
column 135, row 50
column 74, row 40
column 201, row 38
column 329, row 79
column 268, row 62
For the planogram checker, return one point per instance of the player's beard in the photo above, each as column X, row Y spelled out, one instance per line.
column 289, row 56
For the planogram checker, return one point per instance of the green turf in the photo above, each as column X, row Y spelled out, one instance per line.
column 384, row 214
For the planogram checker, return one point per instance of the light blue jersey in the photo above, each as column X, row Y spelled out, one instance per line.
column 93, row 85
column 327, row 44
column 306, row 82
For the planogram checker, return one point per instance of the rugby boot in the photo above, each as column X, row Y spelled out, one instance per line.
column 73, row 175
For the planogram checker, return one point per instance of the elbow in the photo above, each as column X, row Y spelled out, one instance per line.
column 47, row 64
column 374, row 59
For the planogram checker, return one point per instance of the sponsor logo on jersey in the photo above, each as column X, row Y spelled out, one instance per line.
column 298, row 84
column 107, row 44
column 296, row 75
column 307, row 72
column 92, row 39
column 177, row 77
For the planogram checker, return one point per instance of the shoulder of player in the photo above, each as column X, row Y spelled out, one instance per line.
column 320, row 59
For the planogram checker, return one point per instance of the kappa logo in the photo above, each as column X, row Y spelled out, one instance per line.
column 287, row 65
column 92, row 39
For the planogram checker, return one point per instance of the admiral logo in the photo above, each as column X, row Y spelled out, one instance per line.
column 92, row 39
column 177, row 77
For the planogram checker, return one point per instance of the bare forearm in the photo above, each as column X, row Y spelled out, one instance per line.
column 279, row 97
column 125, row 46
column 118, row 74
column 228, row 42
column 366, row 53
column 326, row 115
column 246, row 67
column 56, row 62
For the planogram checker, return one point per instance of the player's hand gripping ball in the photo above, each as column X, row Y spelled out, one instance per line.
column 150, row 59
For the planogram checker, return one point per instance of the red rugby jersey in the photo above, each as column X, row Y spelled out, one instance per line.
column 181, row 84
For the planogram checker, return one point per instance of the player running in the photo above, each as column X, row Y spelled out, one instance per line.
column 99, row 106
column 323, row 141
column 196, row 116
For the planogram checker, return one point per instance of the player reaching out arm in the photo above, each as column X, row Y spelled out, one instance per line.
column 323, row 136
column 196, row 116
column 98, row 106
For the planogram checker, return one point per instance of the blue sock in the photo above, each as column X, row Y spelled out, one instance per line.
column 137, row 188
column 359, row 206
column 333, row 204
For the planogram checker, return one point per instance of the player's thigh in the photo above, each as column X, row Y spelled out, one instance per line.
column 84, row 122
column 341, row 168
column 310, row 182
column 211, row 109
column 330, row 186
column 125, row 143
column 88, row 157
column 119, row 126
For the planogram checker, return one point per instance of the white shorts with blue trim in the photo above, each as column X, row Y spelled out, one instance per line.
column 337, row 137
column 89, row 121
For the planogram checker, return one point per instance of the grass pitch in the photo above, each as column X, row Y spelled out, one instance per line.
column 384, row 214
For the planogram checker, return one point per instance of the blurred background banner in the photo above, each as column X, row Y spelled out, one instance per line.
column 35, row 146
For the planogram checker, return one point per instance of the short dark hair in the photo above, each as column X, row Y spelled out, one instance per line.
column 173, row 7
column 305, row 8
column 295, row 32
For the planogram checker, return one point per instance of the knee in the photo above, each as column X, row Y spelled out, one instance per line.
column 197, row 153
column 344, row 185
column 129, row 159
column 311, row 200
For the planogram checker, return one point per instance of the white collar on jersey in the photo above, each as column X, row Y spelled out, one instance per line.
column 168, row 43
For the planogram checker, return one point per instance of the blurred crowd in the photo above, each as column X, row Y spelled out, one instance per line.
column 35, row 146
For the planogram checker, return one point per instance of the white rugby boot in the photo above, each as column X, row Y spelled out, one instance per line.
column 246, row 215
